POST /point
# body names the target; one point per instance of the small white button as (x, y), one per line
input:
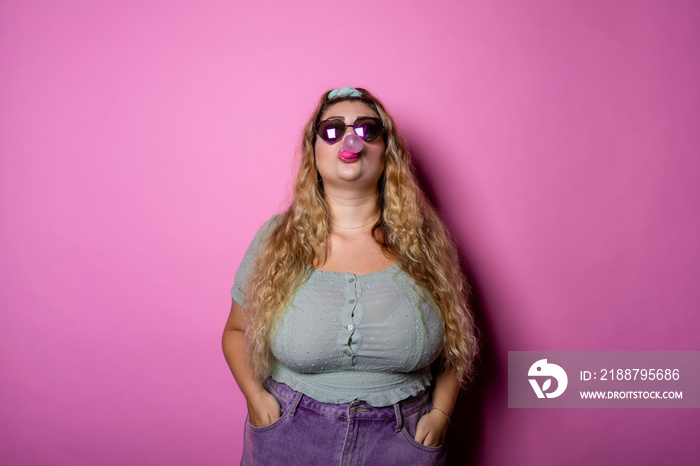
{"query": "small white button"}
(350, 327)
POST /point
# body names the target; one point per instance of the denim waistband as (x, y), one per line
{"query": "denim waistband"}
(354, 410)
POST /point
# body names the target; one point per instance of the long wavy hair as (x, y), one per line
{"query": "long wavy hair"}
(408, 228)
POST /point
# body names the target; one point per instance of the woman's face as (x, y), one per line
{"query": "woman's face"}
(361, 173)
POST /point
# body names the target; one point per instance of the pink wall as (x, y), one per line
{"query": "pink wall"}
(142, 143)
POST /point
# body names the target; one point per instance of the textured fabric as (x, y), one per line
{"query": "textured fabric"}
(313, 433)
(352, 337)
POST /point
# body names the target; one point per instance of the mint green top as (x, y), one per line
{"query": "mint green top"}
(352, 337)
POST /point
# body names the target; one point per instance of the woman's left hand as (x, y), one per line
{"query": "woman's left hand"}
(431, 428)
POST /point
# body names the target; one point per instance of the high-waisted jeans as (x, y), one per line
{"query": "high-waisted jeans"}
(309, 433)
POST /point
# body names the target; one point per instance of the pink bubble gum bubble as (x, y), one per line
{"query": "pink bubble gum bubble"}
(353, 143)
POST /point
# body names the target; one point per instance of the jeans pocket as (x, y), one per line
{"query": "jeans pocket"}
(410, 426)
(409, 438)
(285, 405)
(267, 427)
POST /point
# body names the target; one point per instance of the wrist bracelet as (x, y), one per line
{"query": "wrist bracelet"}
(449, 421)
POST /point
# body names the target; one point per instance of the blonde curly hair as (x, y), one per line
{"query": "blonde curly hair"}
(409, 229)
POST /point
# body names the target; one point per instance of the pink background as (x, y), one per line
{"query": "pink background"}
(143, 143)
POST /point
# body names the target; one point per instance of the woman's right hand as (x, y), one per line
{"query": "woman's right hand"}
(263, 409)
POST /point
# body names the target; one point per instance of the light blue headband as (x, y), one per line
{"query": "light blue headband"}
(346, 91)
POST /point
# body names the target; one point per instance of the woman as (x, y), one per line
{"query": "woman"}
(350, 306)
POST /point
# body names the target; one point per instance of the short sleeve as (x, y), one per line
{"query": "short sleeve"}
(250, 255)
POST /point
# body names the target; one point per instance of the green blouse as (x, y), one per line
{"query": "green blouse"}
(352, 337)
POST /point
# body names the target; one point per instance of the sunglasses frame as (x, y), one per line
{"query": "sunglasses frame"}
(345, 127)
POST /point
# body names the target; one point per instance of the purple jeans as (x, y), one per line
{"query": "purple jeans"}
(313, 433)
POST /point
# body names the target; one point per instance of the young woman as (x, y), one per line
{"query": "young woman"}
(350, 306)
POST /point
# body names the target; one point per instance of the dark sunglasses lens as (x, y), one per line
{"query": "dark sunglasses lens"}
(368, 128)
(331, 130)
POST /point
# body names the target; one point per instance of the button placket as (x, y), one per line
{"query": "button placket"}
(348, 337)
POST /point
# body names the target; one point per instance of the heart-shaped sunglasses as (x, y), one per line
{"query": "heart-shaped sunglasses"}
(333, 130)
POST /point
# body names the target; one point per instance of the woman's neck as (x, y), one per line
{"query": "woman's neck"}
(353, 211)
